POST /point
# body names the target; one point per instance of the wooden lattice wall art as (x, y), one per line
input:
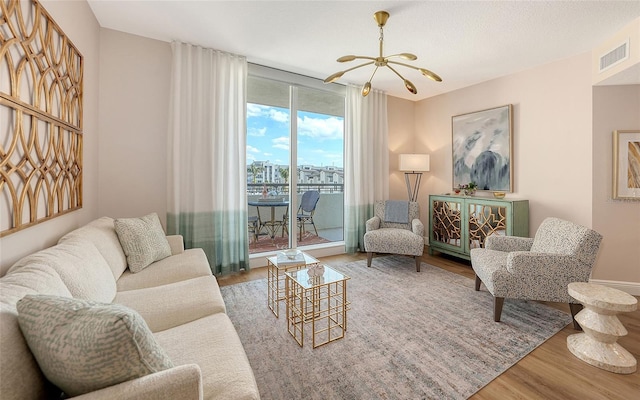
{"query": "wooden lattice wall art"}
(40, 118)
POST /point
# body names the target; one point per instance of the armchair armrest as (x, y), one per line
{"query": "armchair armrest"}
(417, 227)
(508, 243)
(176, 242)
(181, 382)
(558, 266)
(372, 224)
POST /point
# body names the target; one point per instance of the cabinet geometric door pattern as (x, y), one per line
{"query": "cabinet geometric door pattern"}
(41, 77)
(458, 224)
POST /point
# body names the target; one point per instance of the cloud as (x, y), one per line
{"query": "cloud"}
(259, 132)
(321, 128)
(281, 142)
(255, 110)
(278, 116)
(274, 113)
(251, 149)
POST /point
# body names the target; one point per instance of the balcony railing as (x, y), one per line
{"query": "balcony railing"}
(283, 188)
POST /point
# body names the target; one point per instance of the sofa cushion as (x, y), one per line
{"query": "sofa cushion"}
(143, 240)
(213, 344)
(21, 378)
(192, 263)
(83, 346)
(102, 234)
(167, 306)
(80, 266)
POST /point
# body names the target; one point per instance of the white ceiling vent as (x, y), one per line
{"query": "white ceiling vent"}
(615, 56)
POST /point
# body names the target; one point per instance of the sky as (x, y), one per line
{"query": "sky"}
(320, 137)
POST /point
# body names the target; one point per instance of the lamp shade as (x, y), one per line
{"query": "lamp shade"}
(414, 162)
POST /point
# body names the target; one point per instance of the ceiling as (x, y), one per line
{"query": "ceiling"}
(465, 42)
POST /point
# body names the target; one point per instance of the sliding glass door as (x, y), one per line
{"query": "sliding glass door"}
(288, 157)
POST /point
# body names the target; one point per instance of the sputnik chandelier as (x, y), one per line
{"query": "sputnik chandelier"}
(381, 18)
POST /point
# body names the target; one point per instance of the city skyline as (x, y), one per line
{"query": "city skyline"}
(320, 137)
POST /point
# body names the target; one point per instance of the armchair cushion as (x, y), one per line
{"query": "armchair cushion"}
(394, 241)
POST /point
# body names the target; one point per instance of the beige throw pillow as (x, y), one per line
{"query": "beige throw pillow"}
(143, 240)
(82, 346)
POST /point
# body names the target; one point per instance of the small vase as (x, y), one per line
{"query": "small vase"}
(469, 192)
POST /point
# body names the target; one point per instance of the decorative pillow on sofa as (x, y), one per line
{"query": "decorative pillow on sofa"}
(82, 346)
(143, 240)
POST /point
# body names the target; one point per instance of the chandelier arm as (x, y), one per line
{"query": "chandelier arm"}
(406, 56)
(404, 65)
(357, 66)
(407, 83)
(397, 73)
(363, 58)
(426, 72)
(374, 72)
(338, 75)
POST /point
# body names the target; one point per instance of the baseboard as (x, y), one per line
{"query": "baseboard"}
(632, 288)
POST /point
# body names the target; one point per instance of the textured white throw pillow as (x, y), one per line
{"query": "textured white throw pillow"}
(82, 346)
(143, 240)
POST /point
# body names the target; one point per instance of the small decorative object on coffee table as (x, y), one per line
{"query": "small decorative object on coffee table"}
(277, 265)
(602, 328)
(317, 296)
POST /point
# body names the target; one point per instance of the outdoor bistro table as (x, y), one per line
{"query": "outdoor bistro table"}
(272, 225)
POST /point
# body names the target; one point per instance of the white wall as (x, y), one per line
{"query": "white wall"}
(401, 140)
(76, 19)
(552, 136)
(562, 152)
(614, 108)
(134, 106)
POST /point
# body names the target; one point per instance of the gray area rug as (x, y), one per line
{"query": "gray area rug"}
(426, 335)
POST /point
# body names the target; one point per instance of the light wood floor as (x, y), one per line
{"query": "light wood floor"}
(550, 371)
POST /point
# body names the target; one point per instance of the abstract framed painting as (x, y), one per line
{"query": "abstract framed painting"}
(483, 148)
(626, 165)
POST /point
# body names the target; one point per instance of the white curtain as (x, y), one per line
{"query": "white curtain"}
(366, 161)
(207, 197)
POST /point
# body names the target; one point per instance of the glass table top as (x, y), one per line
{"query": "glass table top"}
(315, 276)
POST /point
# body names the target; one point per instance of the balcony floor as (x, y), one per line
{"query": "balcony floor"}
(266, 244)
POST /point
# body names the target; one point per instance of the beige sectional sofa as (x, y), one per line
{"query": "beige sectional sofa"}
(178, 298)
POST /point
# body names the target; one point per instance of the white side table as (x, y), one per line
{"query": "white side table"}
(602, 328)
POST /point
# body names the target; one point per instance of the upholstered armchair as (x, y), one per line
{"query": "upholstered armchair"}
(384, 236)
(538, 268)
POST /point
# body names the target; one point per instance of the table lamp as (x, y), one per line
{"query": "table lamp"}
(414, 165)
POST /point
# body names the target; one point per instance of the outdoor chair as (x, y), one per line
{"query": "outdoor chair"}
(254, 227)
(306, 210)
(538, 268)
(386, 235)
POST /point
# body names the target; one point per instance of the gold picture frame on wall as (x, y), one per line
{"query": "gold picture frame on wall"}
(41, 108)
(626, 164)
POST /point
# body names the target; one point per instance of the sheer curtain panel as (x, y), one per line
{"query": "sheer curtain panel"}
(366, 169)
(207, 200)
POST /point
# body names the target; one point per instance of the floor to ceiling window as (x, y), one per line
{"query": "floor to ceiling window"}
(288, 157)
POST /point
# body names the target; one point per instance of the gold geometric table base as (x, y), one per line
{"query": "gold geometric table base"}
(316, 297)
(276, 279)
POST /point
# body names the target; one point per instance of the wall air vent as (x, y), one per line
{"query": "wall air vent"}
(614, 57)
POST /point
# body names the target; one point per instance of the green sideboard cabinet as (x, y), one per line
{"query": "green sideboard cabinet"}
(458, 224)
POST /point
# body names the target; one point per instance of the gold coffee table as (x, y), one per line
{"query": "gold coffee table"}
(317, 296)
(276, 267)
